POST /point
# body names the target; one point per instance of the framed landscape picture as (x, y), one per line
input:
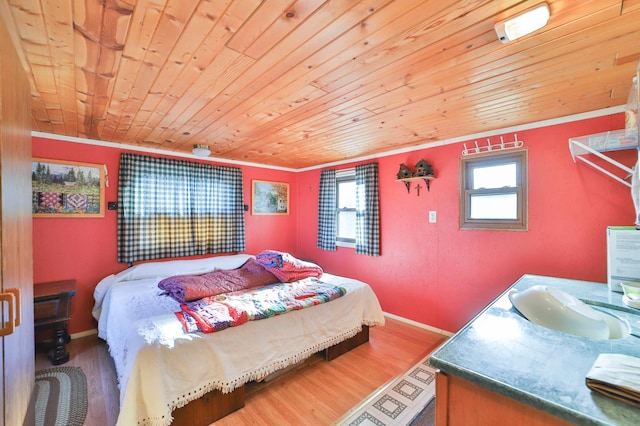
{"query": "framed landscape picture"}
(66, 189)
(269, 197)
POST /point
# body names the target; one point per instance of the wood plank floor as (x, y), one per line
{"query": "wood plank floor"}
(317, 393)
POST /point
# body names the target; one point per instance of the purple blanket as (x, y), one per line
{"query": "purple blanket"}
(187, 288)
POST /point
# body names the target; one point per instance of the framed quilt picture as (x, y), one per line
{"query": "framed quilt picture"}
(66, 189)
(269, 197)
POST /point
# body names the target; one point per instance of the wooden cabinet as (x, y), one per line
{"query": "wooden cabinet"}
(51, 311)
(16, 266)
(460, 402)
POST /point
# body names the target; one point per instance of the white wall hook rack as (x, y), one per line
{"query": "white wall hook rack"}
(489, 147)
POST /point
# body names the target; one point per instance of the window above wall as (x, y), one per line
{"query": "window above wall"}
(493, 191)
(349, 209)
(175, 208)
(346, 208)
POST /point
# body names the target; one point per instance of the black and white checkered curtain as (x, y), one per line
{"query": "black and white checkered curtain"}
(174, 208)
(367, 210)
(327, 211)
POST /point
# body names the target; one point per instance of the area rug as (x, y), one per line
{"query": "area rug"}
(407, 400)
(61, 397)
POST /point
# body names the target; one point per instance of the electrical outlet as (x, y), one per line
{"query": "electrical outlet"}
(433, 216)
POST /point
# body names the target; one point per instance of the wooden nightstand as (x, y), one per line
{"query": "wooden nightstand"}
(51, 311)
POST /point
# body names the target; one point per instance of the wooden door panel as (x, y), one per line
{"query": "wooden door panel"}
(16, 270)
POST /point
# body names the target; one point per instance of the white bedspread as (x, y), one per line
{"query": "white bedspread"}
(160, 368)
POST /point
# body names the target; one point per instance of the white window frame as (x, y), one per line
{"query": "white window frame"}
(342, 176)
(467, 165)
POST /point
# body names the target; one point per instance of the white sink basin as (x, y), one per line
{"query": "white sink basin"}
(552, 308)
(618, 328)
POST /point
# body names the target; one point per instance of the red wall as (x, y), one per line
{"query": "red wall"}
(435, 274)
(85, 249)
(439, 275)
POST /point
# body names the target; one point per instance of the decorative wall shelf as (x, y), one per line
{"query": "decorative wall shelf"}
(423, 171)
(407, 182)
(583, 146)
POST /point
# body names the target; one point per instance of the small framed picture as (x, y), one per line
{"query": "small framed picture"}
(66, 189)
(269, 198)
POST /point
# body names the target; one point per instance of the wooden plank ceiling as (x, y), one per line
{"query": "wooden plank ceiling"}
(300, 83)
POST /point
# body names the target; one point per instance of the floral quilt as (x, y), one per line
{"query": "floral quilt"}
(222, 311)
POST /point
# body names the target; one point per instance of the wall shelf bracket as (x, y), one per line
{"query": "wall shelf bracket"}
(584, 146)
(426, 179)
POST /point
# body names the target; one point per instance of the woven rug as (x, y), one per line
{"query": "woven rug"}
(61, 397)
(407, 400)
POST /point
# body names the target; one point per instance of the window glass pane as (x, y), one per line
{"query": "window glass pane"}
(346, 206)
(347, 195)
(494, 176)
(347, 224)
(499, 206)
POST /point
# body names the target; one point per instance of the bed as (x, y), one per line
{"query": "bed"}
(165, 373)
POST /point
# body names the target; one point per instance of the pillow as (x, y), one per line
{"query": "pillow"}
(286, 267)
(182, 267)
(98, 295)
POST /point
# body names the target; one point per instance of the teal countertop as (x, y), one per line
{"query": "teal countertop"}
(503, 352)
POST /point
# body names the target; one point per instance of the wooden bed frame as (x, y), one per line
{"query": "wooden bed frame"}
(215, 404)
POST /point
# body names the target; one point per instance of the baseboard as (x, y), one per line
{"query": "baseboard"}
(419, 324)
(84, 333)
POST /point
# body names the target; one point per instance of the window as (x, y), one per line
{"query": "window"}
(174, 208)
(346, 207)
(493, 191)
(349, 209)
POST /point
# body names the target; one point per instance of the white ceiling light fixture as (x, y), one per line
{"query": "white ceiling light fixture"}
(201, 150)
(523, 23)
